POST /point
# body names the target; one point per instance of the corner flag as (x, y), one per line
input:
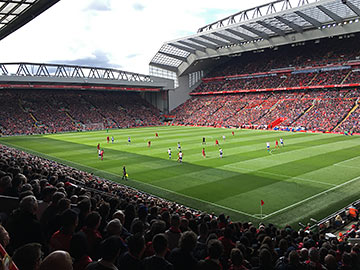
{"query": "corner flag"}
(262, 202)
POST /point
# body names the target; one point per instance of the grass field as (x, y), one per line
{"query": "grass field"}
(310, 177)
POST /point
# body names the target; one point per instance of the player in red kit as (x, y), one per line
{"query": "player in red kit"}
(156, 135)
(203, 152)
(102, 154)
(216, 142)
(276, 144)
(233, 133)
(98, 147)
(149, 143)
(108, 139)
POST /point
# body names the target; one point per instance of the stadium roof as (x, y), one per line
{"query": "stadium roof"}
(16, 13)
(277, 23)
(31, 73)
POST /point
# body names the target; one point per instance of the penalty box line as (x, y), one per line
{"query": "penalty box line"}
(312, 197)
(161, 188)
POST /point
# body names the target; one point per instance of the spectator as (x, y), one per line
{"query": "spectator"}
(182, 257)
(215, 251)
(28, 257)
(110, 250)
(57, 260)
(61, 239)
(25, 214)
(158, 261)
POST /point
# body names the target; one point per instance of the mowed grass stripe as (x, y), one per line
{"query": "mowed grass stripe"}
(152, 165)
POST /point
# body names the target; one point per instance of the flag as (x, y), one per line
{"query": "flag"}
(262, 202)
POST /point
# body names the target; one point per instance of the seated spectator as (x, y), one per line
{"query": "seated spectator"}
(25, 214)
(28, 257)
(109, 253)
(215, 251)
(79, 251)
(57, 260)
(158, 261)
(132, 258)
(60, 240)
(92, 223)
(236, 260)
(173, 233)
(182, 257)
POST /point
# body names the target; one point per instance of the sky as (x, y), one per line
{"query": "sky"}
(122, 34)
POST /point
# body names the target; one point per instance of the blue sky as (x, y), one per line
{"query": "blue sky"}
(123, 34)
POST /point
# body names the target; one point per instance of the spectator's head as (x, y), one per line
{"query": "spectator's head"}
(57, 260)
(114, 227)
(314, 254)
(175, 221)
(84, 207)
(63, 205)
(69, 219)
(18, 181)
(160, 244)
(236, 257)
(136, 245)
(110, 248)
(215, 249)
(294, 258)
(93, 220)
(78, 246)
(265, 258)
(29, 205)
(56, 197)
(304, 254)
(4, 236)
(28, 257)
(330, 262)
(137, 226)
(119, 215)
(188, 241)
(47, 193)
(203, 230)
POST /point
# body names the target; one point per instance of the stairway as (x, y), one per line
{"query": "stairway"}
(312, 79)
(347, 75)
(305, 112)
(348, 114)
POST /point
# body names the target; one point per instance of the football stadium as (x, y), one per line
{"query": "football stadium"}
(239, 150)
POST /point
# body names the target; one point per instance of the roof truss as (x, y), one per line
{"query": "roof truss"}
(256, 32)
(309, 19)
(272, 28)
(239, 34)
(331, 14)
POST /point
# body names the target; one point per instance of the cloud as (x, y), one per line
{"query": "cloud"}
(97, 59)
(118, 37)
(132, 55)
(97, 5)
(138, 7)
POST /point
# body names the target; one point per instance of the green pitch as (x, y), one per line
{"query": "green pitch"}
(310, 177)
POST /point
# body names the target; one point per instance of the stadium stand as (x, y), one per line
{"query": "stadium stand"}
(68, 211)
(32, 112)
(297, 89)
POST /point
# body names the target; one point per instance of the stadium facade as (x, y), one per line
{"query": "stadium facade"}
(270, 26)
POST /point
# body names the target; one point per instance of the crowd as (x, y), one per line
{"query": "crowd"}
(32, 111)
(310, 54)
(317, 110)
(70, 219)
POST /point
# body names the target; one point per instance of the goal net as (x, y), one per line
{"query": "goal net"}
(93, 126)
